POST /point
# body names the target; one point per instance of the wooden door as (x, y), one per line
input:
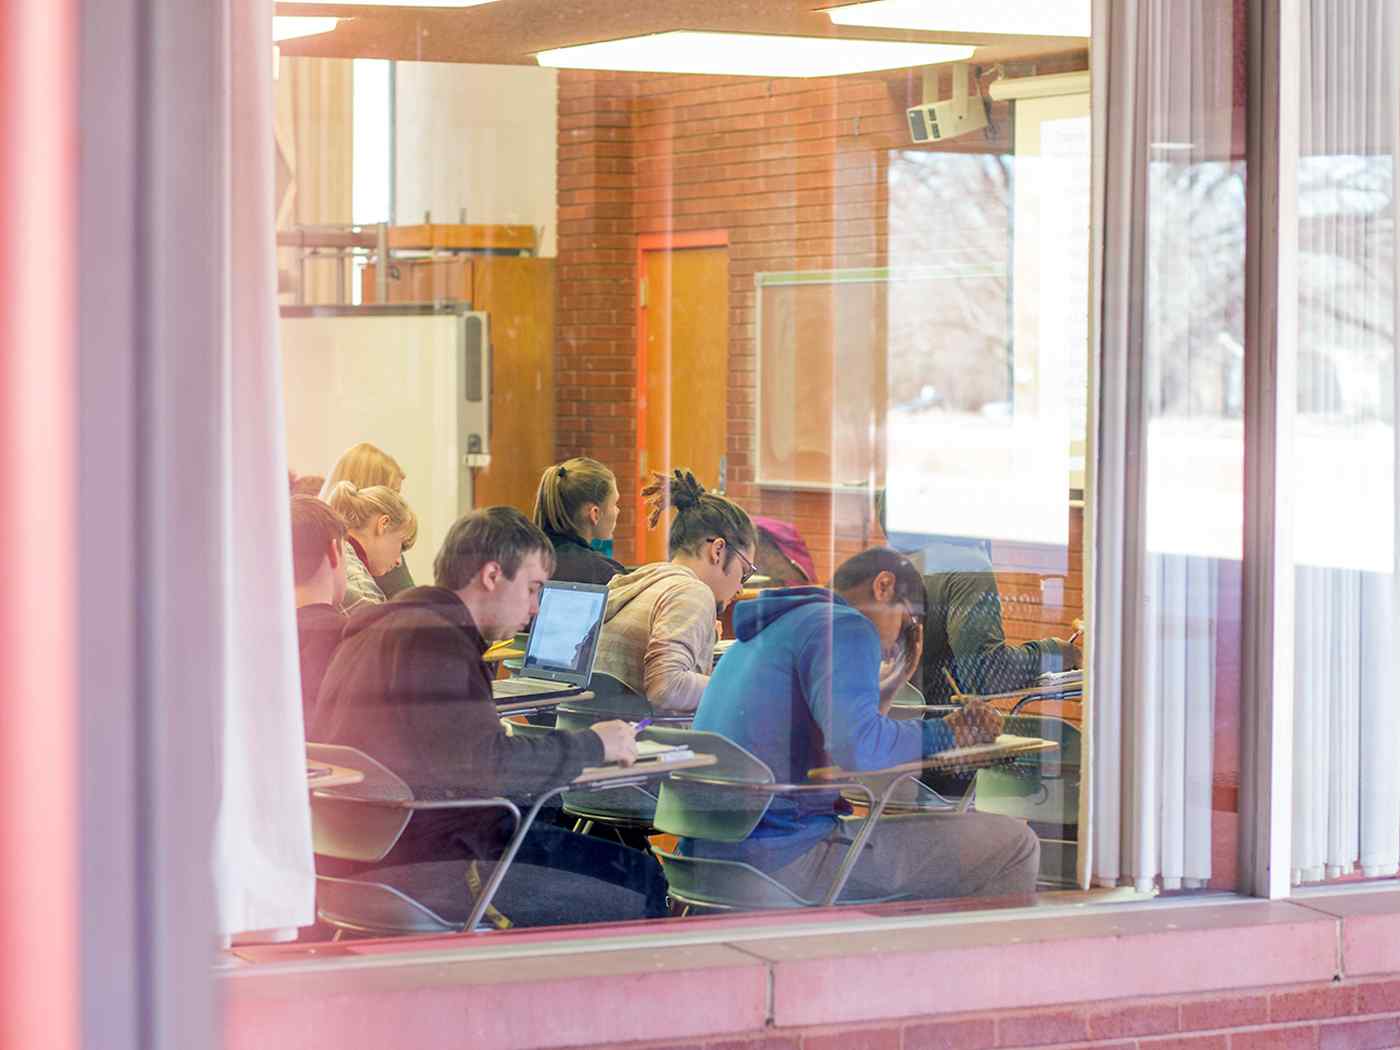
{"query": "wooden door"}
(684, 370)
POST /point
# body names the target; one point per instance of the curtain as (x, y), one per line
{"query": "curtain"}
(314, 128)
(1346, 779)
(263, 869)
(1166, 492)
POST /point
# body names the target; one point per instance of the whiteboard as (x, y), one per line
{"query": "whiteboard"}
(397, 378)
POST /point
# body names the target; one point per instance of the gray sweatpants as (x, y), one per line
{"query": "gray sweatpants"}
(925, 856)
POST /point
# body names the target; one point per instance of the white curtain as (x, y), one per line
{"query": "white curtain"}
(1346, 779)
(1168, 308)
(263, 868)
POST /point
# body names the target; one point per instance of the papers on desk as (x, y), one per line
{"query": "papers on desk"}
(651, 751)
(978, 756)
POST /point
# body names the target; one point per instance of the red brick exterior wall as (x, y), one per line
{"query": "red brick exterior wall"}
(1343, 1015)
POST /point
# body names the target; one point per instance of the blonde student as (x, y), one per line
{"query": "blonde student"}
(367, 466)
(576, 506)
(381, 527)
(659, 628)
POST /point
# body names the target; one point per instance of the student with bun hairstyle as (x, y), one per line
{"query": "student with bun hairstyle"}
(368, 465)
(576, 504)
(381, 527)
(659, 628)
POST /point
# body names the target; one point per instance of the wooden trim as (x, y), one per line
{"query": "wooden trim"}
(1270, 390)
(655, 242)
(454, 237)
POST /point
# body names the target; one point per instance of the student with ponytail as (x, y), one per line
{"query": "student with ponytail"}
(367, 466)
(659, 628)
(381, 527)
(576, 505)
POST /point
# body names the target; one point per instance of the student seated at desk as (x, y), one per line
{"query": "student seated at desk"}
(367, 466)
(576, 505)
(381, 527)
(964, 640)
(801, 690)
(408, 686)
(659, 628)
(318, 571)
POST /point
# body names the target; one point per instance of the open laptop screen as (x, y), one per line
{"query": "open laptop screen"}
(564, 639)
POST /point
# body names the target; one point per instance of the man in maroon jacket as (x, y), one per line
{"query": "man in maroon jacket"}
(408, 686)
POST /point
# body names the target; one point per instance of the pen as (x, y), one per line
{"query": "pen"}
(638, 727)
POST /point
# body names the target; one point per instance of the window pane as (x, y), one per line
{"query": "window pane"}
(1346, 814)
(866, 342)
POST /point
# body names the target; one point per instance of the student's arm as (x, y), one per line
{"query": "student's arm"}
(681, 644)
(839, 672)
(478, 754)
(982, 659)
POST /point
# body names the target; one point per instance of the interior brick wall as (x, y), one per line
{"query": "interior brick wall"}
(796, 173)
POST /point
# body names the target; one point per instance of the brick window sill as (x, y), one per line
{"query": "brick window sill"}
(740, 978)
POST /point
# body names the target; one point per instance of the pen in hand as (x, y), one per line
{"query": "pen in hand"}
(639, 726)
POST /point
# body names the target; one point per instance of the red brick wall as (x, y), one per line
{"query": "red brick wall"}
(796, 173)
(1345, 1015)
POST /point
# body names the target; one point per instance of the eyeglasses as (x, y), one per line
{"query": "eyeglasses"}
(915, 617)
(750, 569)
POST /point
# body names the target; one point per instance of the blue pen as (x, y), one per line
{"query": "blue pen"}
(641, 725)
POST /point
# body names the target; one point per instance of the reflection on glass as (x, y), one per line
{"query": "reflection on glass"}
(1346, 798)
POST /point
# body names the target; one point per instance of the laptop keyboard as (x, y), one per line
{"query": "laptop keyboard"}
(521, 686)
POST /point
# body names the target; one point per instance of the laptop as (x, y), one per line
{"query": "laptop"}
(563, 643)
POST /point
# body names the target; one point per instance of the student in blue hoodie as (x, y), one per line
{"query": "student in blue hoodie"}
(801, 689)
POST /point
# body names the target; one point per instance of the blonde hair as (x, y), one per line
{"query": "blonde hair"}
(566, 488)
(366, 466)
(359, 507)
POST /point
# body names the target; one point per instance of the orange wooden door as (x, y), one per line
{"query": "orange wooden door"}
(685, 361)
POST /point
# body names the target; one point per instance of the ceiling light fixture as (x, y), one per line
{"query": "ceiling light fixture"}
(290, 27)
(1010, 17)
(751, 55)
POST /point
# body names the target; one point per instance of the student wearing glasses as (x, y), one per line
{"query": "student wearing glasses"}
(801, 689)
(659, 628)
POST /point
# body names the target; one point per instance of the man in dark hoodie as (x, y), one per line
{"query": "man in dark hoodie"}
(801, 689)
(408, 687)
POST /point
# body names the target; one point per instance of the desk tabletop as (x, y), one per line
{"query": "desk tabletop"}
(322, 775)
(502, 651)
(977, 756)
(603, 774)
(508, 706)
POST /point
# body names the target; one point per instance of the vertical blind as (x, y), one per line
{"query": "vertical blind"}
(1346, 777)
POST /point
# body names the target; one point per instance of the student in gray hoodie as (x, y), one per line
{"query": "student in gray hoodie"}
(659, 628)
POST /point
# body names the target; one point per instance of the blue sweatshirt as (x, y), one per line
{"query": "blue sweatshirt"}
(800, 690)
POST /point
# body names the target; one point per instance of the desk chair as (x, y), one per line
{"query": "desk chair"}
(621, 809)
(724, 803)
(362, 822)
(1042, 789)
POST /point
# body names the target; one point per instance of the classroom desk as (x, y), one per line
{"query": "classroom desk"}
(593, 778)
(501, 651)
(1007, 749)
(320, 775)
(513, 707)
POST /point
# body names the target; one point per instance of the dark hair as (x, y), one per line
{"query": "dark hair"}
(499, 534)
(865, 566)
(700, 515)
(568, 487)
(314, 528)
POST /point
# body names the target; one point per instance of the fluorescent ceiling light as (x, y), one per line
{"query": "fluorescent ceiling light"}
(1013, 17)
(397, 3)
(289, 27)
(751, 55)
